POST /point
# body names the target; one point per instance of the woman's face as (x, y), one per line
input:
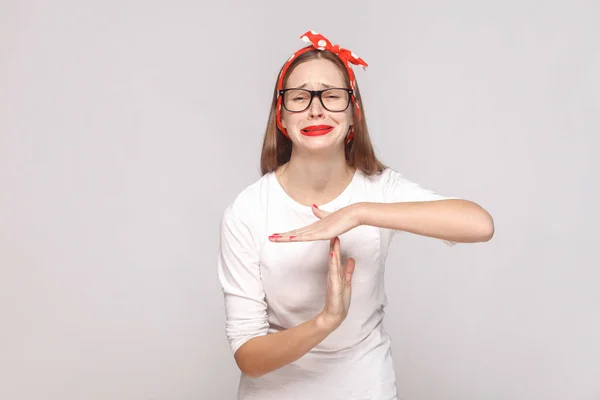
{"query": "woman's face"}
(316, 127)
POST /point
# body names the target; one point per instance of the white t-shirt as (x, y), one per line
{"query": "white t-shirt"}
(269, 287)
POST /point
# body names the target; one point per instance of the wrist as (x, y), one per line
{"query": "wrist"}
(324, 324)
(361, 212)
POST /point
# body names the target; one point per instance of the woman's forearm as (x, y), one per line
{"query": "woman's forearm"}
(264, 354)
(459, 221)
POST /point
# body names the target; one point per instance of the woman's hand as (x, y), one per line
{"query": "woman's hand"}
(339, 289)
(329, 225)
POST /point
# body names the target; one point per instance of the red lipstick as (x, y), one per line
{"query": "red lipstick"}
(316, 130)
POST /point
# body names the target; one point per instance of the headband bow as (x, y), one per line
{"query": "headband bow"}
(320, 42)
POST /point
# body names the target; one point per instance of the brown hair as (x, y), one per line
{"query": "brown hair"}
(277, 148)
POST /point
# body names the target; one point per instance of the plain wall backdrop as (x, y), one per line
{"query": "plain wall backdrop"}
(127, 127)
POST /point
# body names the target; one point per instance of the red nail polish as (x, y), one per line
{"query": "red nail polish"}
(315, 206)
(292, 237)
(331, 254)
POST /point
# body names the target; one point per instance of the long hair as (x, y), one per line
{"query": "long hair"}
(277, 148)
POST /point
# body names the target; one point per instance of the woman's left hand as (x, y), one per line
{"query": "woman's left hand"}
(329, 225)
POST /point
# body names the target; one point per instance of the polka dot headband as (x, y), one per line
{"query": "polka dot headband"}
(320, 42)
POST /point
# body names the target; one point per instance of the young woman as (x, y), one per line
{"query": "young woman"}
(303, 249)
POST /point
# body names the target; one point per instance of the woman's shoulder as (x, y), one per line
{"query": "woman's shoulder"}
(380, 185)
(381, 177)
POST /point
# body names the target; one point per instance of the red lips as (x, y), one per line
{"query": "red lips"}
(316, 130)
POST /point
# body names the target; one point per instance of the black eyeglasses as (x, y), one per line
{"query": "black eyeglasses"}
(334, 99)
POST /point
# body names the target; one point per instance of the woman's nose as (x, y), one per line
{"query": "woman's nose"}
(316, 108)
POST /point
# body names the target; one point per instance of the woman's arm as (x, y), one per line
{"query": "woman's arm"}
(403, 205)
(264, 354)
(455, 220)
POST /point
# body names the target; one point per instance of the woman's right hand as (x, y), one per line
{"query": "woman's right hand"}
(339, 288)
(266, 353)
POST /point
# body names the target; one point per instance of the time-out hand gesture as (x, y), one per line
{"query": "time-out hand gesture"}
(339, 288)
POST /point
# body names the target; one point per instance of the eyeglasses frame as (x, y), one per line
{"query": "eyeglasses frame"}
(317, 93)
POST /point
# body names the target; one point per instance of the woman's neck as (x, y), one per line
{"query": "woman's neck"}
(315, 181)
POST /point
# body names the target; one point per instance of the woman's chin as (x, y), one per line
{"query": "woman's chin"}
(319, 143)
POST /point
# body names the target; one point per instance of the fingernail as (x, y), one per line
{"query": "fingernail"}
(331, 254)
(315, 206)
(292, 237)
(274, 236)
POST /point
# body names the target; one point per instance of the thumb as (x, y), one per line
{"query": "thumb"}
(349, 270)
(318, 212)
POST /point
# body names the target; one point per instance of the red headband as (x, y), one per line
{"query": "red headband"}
(320, 42)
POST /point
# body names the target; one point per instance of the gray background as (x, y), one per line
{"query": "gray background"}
(128, 126)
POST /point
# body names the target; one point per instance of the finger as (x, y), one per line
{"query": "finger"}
(349, 270)
(318, 212)
(284, 237)
(333, 265)
(338, 258)
(333, 246)
(307, 236)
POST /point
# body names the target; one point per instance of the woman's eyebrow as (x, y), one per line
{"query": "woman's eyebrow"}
(325, 85)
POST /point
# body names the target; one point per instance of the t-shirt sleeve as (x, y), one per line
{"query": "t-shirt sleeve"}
(239, 275)
(397, 189)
